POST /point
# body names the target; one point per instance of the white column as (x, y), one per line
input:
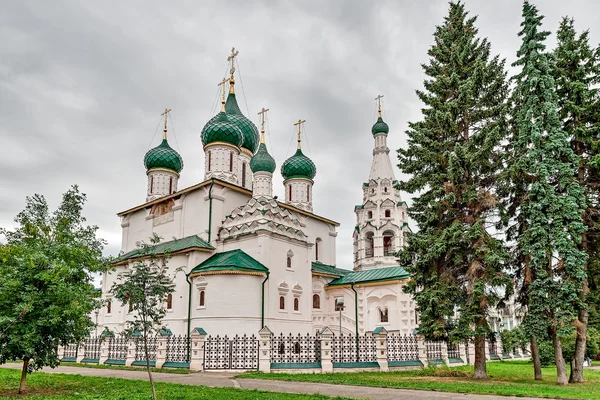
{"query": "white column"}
(198, 339)
(422, 350)
(380, 335)
(326, 345)
(264, 352)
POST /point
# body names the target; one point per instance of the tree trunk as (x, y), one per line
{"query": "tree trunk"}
(480, 365)
(535, 356)
(580, 341)
(561, 367)
(23, 376)
(145, 338)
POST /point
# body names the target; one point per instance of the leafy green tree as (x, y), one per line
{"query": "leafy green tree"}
(46, 282)
(550, 202)
(576, 72)
(145, 287)
(452, 159)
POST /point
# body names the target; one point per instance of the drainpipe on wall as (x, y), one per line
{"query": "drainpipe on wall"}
(355, 318)
(262, 312)
(212, 182)
(189, 317)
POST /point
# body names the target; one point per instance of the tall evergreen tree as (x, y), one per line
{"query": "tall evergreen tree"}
(547, 200)
(576, 71)
(453, 160)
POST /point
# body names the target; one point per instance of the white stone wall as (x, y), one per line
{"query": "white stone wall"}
(262, 184)
(301, 193)
(221, 166)
(159, 183)
(244, 159)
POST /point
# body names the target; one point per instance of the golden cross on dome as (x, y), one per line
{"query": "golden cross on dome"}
(378, 99)
(222, 84)
(262, 114)
(231, 58)
(165, 114)
(299, 124)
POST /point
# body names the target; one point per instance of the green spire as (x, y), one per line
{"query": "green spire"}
(262, 160)
(163, 156)
(380, 127)
(249, 130)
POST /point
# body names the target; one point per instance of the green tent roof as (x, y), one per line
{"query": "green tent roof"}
(372, 275)
(328, 269)
(174, 245)
(234, 260)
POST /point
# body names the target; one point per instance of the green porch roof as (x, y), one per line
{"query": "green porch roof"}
(173, 246)
(373, 275)
(328, 269)
(233, 260)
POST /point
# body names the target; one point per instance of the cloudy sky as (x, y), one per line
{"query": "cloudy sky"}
(82, 86)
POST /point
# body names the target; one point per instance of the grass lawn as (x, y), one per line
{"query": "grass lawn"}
(513, 378)
(61, 386)
(103, 366)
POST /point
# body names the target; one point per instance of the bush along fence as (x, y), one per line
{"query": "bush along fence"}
(320, 352)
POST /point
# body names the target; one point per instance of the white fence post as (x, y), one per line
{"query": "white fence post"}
(445, 358)
(131, 347)
(462, 352)
(264, 350)
(326, 346)
(104, 349)
(80, 351)
(381, 348)
(198, 339)
(471, 352)
(161, 347)
(422, 350)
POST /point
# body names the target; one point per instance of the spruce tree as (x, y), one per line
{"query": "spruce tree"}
(547, 200)
(576, 71)
(452, 158)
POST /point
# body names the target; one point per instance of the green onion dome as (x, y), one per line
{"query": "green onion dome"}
(249, 130)
(221, 129)
(262, 160)
(163, 156)
(298, 166)
(380, 127)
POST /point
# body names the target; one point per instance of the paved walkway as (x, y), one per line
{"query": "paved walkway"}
(226, 379)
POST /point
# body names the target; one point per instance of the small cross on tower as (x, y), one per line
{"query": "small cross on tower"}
(231, 58)
(262, 114)
(299, 124)
(378, 100)
(222, 84)
(165, 114)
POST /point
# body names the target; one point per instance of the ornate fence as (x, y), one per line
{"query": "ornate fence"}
(493, 347)
(350, 348)
(70, 352)
(453, 350)
(239, 352)
(177, 349)
(117, 348)
(402, 347)
(91, 349)
(140, 354)
(296, 349)
(434, 350)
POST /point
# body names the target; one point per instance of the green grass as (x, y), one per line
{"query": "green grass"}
(60, 386)
(508, 378)
(104, 366)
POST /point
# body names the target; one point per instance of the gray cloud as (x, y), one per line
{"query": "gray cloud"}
(82, 85)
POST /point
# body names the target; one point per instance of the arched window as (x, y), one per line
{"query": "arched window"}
(369, 245)
(297, 348)
(388, 243)
(170, 185)
(388, 213)
(370, 214)
(385, 189)
(317, 248)
(383, 315)
(307, 193)
(243, 174)
(209, 159)
(290, 192)
(169, 301)
(289, 262)
(151, 184)
(108, 307)
(201, 303)
(282, 302)
(316, 301)
(231, 161)
(296, 304)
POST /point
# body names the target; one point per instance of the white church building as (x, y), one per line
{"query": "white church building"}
(242, 260)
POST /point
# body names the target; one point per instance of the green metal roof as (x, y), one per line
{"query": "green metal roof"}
(328, 269)
(221, 128)
(262, 160)
(233, 260)
(171, 247)
(372, 275)
(298, 166)
(163, 156)
(380, 127)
